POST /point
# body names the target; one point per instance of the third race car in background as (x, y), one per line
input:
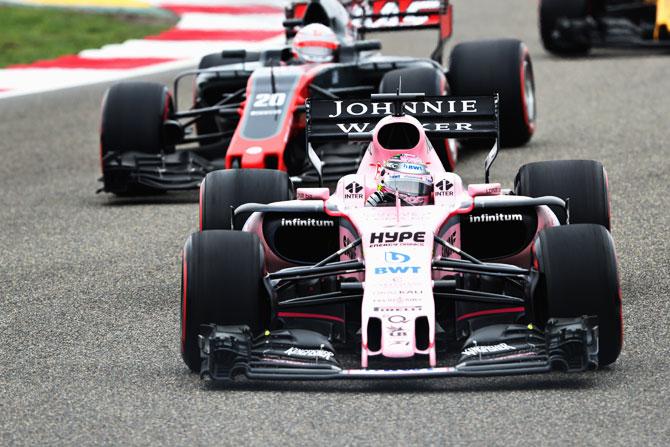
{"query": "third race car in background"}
(573, 27)
(249, 107)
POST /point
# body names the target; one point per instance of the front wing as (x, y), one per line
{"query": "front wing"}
(569, 345)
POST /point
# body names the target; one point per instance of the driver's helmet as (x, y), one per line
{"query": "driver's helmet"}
(315, 43)
(407, 176)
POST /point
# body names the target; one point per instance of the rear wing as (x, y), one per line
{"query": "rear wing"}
(441, 117)
(381, 16)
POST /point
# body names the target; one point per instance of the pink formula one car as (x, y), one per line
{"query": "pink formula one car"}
(403, 271)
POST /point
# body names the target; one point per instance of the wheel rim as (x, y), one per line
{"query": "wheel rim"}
(528, 93)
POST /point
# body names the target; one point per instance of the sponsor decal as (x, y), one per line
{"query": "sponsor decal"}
(391, 9)
(397, 331)
(319, 353)
(298, 222)
(443, 188)
(353, 191)
(351, 253)
(395, 257)
(397, 309)
(497, 217)
(394, 238)
(475, 350)
(265, 112)
(451, 239)
(253, 150)
(304, 195)
(417, 108)
(396, 269)
(493, 190)
(429, 127)
(398, 319)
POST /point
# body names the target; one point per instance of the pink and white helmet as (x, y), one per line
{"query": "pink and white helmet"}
(407, 176)
(315, 43)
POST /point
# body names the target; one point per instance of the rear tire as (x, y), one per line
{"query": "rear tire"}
(584, 182)
(221, 190)
(551, 12)
(578, 276)
(431, 82)
(498, 66)
(222, 283)
(133, 114)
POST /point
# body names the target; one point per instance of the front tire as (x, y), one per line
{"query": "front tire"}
(499, 66)
(133, 114)
(224, 190)
(583, 182)
(578, 276)
(222, 283)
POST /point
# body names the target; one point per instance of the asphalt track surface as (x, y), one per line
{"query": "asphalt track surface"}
(89, 286)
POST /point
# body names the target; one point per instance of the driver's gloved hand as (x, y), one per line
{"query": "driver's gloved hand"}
(375, 198)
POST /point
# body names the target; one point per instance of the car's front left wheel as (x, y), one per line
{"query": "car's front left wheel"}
(222, 283)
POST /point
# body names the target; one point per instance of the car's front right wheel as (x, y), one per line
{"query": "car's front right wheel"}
(578, 277)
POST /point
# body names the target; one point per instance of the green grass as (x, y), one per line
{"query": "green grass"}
(29, 34)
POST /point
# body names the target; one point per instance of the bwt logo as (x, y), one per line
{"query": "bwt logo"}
(353, 191)
(395, 257)
(396, 269)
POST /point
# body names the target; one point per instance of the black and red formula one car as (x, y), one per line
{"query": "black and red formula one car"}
(404, 271)
(573, 27)
(249, 107)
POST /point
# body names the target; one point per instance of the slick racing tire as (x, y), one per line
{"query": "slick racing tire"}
(222, 283)
(578, 276)
(551, 13)
(221, 191)
(431, 82)
(582, 182)
(498, 66)
(133, 114)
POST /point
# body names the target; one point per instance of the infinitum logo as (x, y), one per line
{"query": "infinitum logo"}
(297, 222)
(497, 217)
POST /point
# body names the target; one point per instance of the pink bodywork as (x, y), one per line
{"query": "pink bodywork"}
(398, 243)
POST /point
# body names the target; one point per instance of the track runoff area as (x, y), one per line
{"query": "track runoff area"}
(203, 25)
(89, 309)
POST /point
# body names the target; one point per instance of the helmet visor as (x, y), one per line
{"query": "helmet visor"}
(315, 53)
(412, 186)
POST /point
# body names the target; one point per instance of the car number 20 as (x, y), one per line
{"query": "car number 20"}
(269, 100)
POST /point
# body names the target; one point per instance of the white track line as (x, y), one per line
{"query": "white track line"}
(202, 21)
(174, 49)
